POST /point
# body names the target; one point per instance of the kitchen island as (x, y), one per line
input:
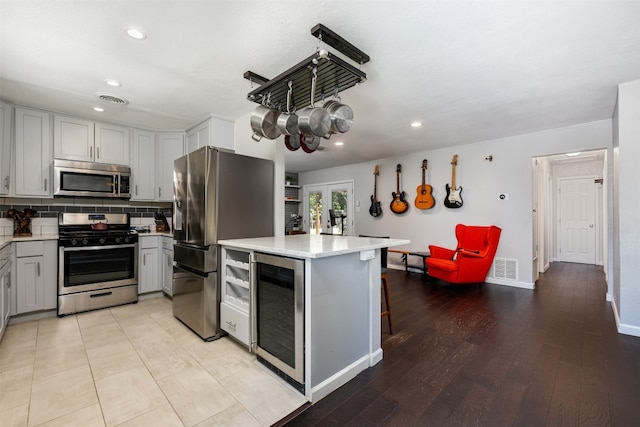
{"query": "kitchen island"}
(341, 303)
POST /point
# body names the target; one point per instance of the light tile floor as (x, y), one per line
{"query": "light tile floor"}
(133, 365)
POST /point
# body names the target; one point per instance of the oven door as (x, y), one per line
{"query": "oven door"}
(92, 268)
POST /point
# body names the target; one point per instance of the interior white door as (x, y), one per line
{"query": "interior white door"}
(328, 208)
(577, 220)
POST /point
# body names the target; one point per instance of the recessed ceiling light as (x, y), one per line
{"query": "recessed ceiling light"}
(113, 83)
(98, 109)
(574, 154)
(134, 33)
(416, 124)
(338, 143)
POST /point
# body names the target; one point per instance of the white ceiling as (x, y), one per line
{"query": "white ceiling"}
(470, 71)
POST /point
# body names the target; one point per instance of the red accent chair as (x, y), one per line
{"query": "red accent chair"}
(470, 261)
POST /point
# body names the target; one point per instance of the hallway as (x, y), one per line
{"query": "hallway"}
(494, 356)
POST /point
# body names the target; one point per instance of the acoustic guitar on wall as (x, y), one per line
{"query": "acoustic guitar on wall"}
(424, 199)
(399, 203)
(375, 210)
(453, 199)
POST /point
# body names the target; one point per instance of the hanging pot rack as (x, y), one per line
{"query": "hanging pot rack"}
(334, 74)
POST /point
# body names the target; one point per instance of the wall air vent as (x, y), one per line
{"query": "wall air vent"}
(504, 268)
(112, 99)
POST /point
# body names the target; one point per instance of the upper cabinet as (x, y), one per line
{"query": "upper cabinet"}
(143, 168)
(5, 147)
(214, 132)
(170, 147)
(83, 140)
(33, 153)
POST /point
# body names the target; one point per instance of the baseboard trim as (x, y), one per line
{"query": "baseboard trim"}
(513, 284)
(339, 379)
(623, 328)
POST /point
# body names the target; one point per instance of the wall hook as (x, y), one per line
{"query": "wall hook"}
(489, 158)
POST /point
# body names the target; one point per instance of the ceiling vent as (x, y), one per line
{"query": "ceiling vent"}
(112, 99)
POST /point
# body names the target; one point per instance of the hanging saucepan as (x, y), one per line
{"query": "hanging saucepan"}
(264, 122)
(293, 142)
(314, 120)
(341, 116)
(99, 226)
(310, 143)
(288, 121)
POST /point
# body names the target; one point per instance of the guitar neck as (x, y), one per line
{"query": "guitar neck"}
(398, 182)
(375, 188)
(453, 176)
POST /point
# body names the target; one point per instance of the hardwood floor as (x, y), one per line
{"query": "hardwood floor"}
(494, 356)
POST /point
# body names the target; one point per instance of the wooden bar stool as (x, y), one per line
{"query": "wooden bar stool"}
(385, 281)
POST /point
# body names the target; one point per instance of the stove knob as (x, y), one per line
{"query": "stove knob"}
(126, 240)
(74, 242)
(85, 241)
(102, 240)
(117, 240)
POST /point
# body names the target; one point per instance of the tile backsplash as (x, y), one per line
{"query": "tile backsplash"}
(46, 220)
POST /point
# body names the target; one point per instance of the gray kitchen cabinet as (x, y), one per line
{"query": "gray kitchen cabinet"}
(6, 111)
(36, 275)
(5, 287)
(87, 141)
(33, 153)
(167, 265)
(143, 166)
(170, 146)
(214, 132)
(148, 266)
(235, 302)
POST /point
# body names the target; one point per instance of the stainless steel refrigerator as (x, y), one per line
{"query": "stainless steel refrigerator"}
(217, 195)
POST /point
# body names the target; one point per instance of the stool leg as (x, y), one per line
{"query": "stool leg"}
(387, 313)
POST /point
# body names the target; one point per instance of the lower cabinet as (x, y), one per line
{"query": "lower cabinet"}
(235, 298)
(5, 287)
(167, 265)
(36, 276)
(148, 266)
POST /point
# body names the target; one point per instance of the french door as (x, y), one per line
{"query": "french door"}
(328, 208)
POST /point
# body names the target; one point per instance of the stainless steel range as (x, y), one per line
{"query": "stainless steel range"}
(98, 261)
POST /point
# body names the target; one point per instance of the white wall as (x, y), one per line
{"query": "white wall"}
(481, 181)
(627, 208)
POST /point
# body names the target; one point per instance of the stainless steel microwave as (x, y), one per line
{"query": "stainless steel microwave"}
(85, 179)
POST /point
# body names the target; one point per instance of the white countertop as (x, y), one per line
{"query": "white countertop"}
(312, 246)
(5, 240)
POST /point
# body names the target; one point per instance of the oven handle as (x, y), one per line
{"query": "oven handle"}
(93, 248)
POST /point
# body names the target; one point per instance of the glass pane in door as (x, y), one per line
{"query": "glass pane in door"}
(338, 212)
(315, 212)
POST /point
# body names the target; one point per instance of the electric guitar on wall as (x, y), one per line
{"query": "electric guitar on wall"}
(399, 203)
(424, 199)
(453, 199)
(375, 210)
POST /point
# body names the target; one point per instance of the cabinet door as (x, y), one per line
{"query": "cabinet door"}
(167, 271)
(33, 153)
(73, 139)
(148, 271)
(5, 147)
(143, 168)
(222, 133)
(112, 144)
(5, 283)
(170, 147)
(30, 284)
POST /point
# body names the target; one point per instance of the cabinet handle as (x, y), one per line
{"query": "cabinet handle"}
(9, 280)
(98, 152)
(91, 152)
(38, 269)
(46, 187)
(136, 189)
(231, 325)
(6, 182)
(159, 191)
(144, 259)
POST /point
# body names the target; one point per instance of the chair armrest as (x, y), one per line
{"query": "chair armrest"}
(470, 253)
(440, 252)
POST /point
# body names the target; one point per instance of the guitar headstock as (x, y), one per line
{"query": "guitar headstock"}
(424, 164)
(454, 161)
(376, 171)
(399, 168)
